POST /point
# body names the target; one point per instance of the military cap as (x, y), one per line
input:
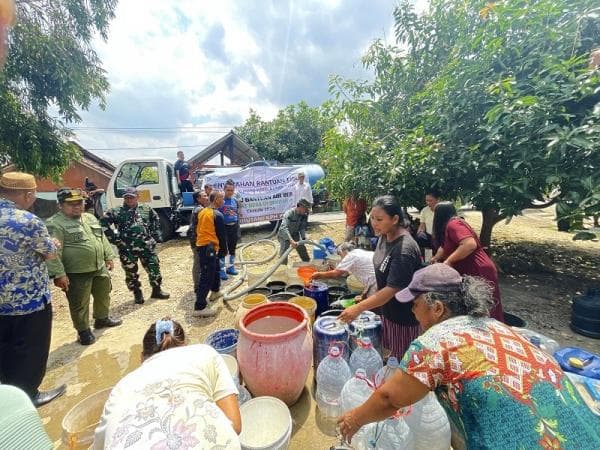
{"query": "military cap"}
(66, 194)
(304, 203)
(130, 191)
(18, 180)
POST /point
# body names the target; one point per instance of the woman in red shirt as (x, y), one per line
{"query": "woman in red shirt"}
(459, 247)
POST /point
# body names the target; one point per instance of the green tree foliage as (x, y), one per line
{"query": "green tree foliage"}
(294, 135)
(50, 64)
(492, 102)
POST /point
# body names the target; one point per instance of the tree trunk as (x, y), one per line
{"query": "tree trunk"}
(490, 218)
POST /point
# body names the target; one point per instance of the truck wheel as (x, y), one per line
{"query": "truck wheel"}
(166, 227)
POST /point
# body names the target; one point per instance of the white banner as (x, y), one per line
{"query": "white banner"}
(266, 192)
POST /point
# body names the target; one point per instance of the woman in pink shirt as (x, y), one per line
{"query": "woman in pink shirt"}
(459, 247)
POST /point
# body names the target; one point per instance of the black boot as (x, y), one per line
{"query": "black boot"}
(41, 398)
(157, 292)
(107, 322)
(138, 296)
(86, 337)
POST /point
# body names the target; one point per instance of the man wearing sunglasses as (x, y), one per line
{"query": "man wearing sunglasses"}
(81, 270)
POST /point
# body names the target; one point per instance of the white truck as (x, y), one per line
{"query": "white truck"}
(158, 187)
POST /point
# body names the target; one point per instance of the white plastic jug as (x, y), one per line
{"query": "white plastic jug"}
(356, 391)
(367, 358)
(392, 433)
(387, 371)
(429, 424)
(332, 374)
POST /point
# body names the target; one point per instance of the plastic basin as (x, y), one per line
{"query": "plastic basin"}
(79, 424)
(266, 424)
(224, 341)
(307, 304)
(232, 366)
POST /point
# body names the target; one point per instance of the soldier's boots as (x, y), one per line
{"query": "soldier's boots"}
(138, 296)
(107, 322)
(157, 292)
(86, 337)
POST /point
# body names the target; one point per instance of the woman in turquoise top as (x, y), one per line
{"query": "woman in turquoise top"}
(498, 389)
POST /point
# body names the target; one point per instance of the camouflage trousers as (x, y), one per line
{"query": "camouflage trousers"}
(148, 258)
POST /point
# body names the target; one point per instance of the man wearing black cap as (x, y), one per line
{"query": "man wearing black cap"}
(137, 233)
(84, 259)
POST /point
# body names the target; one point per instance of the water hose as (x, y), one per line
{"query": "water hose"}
(228, 296)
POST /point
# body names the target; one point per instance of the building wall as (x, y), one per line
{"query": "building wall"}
(74, 177)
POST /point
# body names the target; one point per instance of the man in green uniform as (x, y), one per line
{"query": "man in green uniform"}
(137, 229)
(293, 229)
(84, 255)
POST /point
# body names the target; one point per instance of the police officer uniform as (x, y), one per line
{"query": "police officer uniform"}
(82, 257)
(137, 233)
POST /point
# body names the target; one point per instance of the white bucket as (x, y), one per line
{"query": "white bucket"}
(232, 365)
(266, 424)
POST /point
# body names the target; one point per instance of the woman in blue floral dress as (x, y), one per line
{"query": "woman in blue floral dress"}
(499, 390)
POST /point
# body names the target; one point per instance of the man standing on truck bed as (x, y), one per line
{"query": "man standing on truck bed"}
(138, 231)
(182, 171)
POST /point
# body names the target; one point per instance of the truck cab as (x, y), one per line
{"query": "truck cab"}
(157, 187)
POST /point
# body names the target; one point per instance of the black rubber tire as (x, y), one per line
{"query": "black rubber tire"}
(166, 227)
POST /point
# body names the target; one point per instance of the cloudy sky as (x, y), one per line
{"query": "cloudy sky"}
(204, 64)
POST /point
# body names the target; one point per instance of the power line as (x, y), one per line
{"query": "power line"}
(149, 131)
(146, 148)
(195, 128)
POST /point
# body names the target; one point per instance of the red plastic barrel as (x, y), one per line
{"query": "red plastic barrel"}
(274, 350)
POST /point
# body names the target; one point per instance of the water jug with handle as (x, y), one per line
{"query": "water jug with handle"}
(387, 371)
(388, 434)
(367, 324)
(356, 391)
(366, 357)
(332, 374)
(429, 424)
(327, 331)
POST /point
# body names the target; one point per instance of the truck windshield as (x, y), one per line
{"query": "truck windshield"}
(136, 174)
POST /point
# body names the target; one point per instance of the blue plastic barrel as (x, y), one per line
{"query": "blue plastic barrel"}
(224, 341)
(319, 292)
(328, 244)
(327, 331)
(188, 198)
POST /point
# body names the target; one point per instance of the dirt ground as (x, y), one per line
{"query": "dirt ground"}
(541, 270)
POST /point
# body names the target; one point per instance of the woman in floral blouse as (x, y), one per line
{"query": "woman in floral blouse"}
(498, 389)
(181, 397)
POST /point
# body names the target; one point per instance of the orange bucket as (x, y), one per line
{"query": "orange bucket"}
(305, 272)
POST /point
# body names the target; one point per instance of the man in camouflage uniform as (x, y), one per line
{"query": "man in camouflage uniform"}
(84, 259)
(137, 229)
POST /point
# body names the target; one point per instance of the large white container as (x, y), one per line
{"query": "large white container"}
(429, 424)
(266, 424)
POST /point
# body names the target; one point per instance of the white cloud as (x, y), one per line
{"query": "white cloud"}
(207, 63)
